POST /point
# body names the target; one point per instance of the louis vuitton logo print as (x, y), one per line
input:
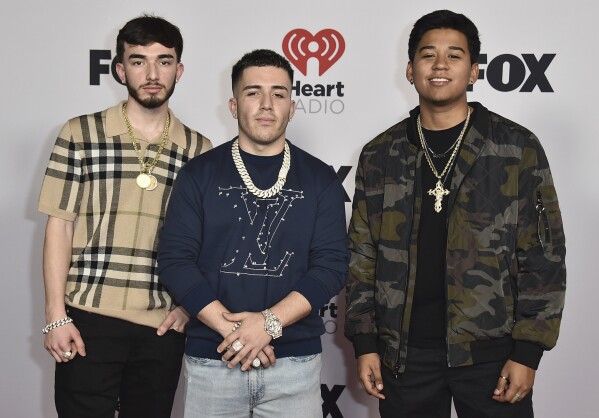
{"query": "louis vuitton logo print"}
(263, 217)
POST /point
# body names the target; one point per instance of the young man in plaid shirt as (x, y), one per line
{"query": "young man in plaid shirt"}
(111, 327)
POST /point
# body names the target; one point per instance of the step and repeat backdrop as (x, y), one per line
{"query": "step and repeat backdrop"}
(537, 62)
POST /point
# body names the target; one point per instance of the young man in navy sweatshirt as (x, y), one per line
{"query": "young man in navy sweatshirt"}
(254, 243)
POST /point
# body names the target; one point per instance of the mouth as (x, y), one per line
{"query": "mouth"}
(439, 81)
(265, 121)
(152, 88)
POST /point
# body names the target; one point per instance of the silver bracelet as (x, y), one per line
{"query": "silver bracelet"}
(56, 324)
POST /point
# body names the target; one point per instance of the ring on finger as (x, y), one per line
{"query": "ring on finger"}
(236, 346)
(518, 396)
(504, 378)
(236, 326)
(67, 354)
(256, 363)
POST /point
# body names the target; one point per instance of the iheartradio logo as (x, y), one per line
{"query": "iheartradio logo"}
(327, 46)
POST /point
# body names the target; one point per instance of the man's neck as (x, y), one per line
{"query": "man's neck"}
(148, 122)
(437, 118)
(264, 150)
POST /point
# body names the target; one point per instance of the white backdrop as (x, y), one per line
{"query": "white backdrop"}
(46, 80)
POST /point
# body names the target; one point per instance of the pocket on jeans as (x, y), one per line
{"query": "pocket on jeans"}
(302, 359)
(200, 361)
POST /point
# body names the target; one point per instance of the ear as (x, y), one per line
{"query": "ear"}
(120, 71)
(233, 107)
(474, 73)
(292, 110)
(180, 69)
(409, 72)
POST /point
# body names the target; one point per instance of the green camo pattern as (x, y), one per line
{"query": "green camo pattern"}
(505, 248)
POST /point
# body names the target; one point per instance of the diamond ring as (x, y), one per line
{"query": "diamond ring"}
(237, 346)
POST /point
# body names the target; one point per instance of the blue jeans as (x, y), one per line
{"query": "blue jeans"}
(291, 388)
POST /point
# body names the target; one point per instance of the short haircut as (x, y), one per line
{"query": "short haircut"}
(445, 19)
(146, 30)
(259, 58)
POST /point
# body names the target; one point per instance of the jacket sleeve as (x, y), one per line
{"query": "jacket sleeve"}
(360, 325)
(540, 252)
(180, 245)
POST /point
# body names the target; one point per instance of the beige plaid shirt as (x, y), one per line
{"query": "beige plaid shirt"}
(90, 179)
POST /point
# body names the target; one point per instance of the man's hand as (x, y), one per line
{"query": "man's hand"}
(247, 342)
(176, 320)
(63, 339)
(514, 383)
(369, 373)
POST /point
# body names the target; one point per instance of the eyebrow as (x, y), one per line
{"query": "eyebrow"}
(141, 56)
(259, 87)
(454, 48)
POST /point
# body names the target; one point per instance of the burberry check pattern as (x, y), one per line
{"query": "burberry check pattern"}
(90, 179)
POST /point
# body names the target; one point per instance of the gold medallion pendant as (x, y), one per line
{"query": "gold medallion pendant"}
(153, 183)
(146, 180)
(143, 180)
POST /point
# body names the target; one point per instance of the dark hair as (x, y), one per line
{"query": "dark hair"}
(259, 58)
(445, 19)
(146, 30)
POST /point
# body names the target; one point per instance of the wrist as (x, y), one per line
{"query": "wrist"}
(54, 314)
(272, 324)
(55, 324)
(224, 329)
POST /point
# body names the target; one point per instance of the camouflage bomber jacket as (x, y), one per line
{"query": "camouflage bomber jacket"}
(505, 256)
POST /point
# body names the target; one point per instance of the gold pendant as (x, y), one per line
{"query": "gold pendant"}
(153, 183)
(143, 180)
(438, 192)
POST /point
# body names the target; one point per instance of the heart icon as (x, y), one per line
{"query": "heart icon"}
(327, 46)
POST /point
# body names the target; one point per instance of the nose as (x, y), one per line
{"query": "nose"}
(153, 72)
(440, 62)
(266, 102)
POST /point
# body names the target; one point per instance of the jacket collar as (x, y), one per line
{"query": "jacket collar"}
(115, 125)
(473, 145)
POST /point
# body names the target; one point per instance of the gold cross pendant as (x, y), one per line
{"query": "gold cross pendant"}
(438, 192)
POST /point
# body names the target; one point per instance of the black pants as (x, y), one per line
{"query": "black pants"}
(427, 386)
(125, 363)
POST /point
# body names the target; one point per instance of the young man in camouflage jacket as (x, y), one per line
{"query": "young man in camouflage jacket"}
(457, 275)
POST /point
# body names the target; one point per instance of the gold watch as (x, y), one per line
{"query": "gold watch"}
(272, 324)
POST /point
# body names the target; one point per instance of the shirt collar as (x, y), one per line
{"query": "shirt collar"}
(115, 125)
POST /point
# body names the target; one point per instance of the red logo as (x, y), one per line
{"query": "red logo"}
(326, 46)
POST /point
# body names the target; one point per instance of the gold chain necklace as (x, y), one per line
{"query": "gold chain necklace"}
(146, 179)
(439, 191)
(245, 176)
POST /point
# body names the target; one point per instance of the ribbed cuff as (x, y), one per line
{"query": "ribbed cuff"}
(364, 344)
(527, 353)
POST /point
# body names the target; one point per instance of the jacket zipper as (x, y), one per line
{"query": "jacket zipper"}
(446, 295)
(543, 231)
(403, 343)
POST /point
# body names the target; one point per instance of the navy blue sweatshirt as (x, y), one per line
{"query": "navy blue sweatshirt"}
(220, 242)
